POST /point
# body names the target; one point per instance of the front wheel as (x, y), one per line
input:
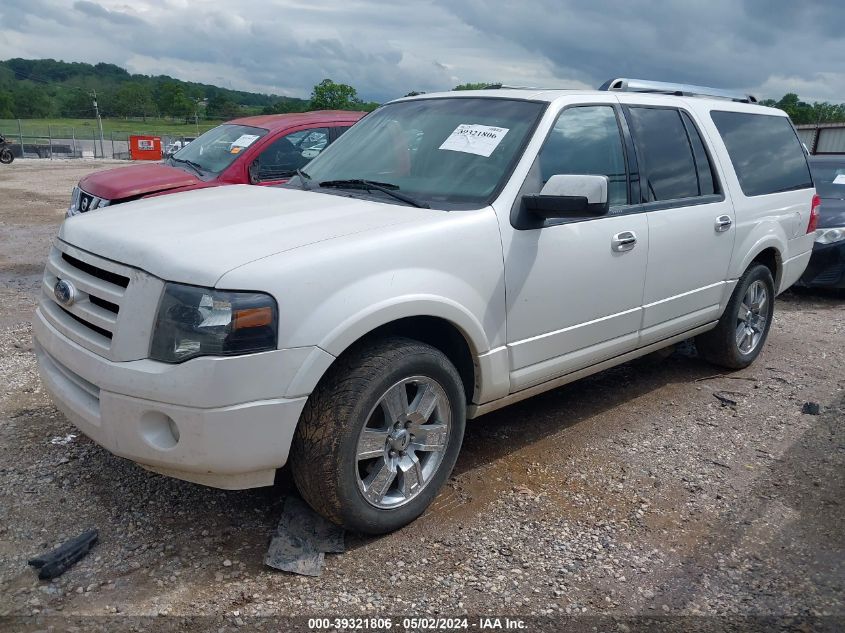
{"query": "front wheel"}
(380, 435)
(738, 338)
(6, 156)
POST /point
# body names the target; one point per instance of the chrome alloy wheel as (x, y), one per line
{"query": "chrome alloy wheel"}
(403, 442)
(752, 317)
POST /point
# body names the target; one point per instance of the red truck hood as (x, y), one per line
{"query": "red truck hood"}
(137, 180)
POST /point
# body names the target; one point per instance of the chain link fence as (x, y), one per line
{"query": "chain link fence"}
(54, 141)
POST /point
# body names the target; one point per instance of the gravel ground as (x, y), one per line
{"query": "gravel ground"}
(633, 493)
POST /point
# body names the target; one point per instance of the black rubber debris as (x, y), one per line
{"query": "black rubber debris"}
(726, 402)
(301, 540)
(54, 564)
(811, 408)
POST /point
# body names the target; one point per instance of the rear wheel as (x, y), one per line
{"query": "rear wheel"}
(6, 156)
(738, 338)
(380, 435)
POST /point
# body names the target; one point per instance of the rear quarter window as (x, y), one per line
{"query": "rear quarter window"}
(765, 151)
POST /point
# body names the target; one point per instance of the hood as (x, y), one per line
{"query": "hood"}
(831, 213)
(197, 236)
(128, 182)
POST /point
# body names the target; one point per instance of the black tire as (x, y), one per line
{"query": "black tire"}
(6, 156)
(324, 455)
(719, 346)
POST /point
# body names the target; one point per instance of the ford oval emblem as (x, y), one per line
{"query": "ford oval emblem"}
(64, 292)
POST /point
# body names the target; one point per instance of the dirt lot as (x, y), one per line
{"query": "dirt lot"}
(635, 492)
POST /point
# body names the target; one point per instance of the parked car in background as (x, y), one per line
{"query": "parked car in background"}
(260, 150)
(174, 146)
(827, 265)
(350, 321)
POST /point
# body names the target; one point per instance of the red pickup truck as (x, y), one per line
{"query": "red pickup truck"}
(259, 150)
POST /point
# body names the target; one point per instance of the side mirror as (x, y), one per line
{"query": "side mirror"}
(253, 172)
(569, 196)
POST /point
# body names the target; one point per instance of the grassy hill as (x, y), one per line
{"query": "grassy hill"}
(50, 89)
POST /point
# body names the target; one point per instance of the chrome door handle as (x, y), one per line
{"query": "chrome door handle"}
(723, 223)
(624, 241)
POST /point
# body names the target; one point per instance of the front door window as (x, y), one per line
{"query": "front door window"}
(291, 152)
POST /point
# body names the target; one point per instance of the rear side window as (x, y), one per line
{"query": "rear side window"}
(765, 151)
(664, 150)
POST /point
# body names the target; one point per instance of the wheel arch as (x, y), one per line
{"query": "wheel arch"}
(767, 251)
(771, 258)
(440, 334)
(442, 325)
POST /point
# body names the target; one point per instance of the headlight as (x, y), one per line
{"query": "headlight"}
(73, 209)
(829, 236)
(195, 321)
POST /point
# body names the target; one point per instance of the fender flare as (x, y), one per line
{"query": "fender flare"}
(358, 325)
(767, 241)
(382, 313)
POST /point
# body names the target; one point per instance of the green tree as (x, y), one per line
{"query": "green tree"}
(31, 102)
(221, 106)
(286, 105)
(824, 112)
(327, 95)
(801, 112)
(75, 103)
(134, 99)
(797, 110)
(476, 86)
(172, 101)
(6, 105)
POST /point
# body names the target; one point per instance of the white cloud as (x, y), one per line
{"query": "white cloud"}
(822, 86)
(388, 49)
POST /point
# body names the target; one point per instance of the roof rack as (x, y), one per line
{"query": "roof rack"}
(509, 87)
(681, 90)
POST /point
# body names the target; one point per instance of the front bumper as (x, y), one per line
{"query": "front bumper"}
(826, 267)
(222, 422)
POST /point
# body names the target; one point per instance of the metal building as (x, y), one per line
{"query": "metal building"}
(823, 138)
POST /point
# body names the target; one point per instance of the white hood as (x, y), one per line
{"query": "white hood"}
(197, 236)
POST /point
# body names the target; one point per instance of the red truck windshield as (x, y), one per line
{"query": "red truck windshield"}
(218, 148)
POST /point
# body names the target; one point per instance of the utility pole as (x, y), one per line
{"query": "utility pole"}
(99, 122)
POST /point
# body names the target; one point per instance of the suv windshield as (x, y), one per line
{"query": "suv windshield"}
(829, 177)
(215, 150)
(440, 150)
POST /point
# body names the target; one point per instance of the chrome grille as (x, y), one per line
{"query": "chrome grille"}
(90, 317)
(113, 308)
(82, 202)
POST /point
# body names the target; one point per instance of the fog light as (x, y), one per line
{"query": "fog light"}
(159, 430)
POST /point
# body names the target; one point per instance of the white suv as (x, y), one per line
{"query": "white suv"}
(449, 255)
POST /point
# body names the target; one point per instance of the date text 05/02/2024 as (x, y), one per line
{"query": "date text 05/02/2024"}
(418, 624)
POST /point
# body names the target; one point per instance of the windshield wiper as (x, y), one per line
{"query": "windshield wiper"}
(385, 187)
(198, 168)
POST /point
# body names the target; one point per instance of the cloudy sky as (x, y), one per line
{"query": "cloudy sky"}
(386, 49)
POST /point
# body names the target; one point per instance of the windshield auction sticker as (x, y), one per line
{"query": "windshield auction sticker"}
(475, 139)
(244, 140)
